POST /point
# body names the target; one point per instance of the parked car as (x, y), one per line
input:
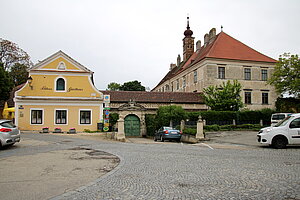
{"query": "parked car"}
(277, 117)
(167, 133)
(284, 133)
(9, 133)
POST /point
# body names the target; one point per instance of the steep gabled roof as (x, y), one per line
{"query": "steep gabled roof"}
(227, 47)
(63, 55)
(222, 47)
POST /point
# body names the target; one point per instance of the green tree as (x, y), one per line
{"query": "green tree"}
(166, 115)
(225, 97)
(132, 86)
(113, 86)
(11, 53)
(19, 73)
(286, 75)
(6, 83)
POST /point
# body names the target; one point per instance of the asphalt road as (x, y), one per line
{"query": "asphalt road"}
(209, 170)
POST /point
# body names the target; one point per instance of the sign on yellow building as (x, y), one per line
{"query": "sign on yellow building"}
(59, 94)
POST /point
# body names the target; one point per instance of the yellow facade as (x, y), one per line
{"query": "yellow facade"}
(60, 94)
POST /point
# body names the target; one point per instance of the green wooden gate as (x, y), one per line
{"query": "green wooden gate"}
(132, 126)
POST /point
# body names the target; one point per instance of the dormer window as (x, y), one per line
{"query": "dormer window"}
(61, 66)
(60, 84)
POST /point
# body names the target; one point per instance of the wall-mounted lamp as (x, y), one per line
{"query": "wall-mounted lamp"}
(30, 82)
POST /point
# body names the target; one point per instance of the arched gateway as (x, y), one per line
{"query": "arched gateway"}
(132, 125)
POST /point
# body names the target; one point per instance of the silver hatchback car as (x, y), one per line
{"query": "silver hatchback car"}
(9, 133)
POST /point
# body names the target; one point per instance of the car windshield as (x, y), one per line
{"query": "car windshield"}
(283, 122)
(7, 124)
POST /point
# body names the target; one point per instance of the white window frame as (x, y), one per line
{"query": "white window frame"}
(79, 120)
(67, 116)
(195, 76)
(31, 109)
(55, 84)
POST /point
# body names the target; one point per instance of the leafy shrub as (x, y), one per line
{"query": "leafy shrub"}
(212, 127)
(113, 118)
(150, 124)
(190, 131)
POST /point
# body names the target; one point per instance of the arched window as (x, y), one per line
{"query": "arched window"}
(60, 84)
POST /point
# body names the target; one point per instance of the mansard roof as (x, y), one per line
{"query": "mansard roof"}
(154, 97)
(223, 46)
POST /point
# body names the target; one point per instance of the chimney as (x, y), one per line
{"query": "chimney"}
(206, 39)
(212, 34)
(172, 66)
(198, 45)
(178, 60)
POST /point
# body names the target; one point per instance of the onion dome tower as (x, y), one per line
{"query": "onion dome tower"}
(188, 42)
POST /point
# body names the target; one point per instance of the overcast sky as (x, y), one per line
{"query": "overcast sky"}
(126, 40)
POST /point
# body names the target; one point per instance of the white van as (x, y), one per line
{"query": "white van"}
(285, 132)
(277, 117)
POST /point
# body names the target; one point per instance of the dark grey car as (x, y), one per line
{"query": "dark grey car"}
(167, 133)
(9, 133)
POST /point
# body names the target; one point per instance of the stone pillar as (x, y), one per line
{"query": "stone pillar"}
(261, 122)
(182, 124)
(121, 133)
(171, 123)
(143, 126)
(233, 122)
(200, 131)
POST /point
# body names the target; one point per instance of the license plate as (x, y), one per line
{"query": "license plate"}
(173, 132)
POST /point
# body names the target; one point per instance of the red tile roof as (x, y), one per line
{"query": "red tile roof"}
(223, 47)
(154, 97)
(226, 47)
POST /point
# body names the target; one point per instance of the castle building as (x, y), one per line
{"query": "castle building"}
(221, 58)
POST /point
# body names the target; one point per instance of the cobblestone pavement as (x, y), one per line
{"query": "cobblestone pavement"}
(182, 171)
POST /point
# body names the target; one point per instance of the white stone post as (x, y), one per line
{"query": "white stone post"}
(121, 133)
(182, 124)
(200, 131)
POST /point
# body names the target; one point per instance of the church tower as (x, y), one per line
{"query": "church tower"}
(188, 42)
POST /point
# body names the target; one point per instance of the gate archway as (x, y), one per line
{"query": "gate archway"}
(132, 125)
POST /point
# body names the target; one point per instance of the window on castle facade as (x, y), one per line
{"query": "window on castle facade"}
(195, 76)
(247, 72)
(221, 72)
(264, 74)
(265, 98)
(183, 82)
(177, 84)
(247, 97)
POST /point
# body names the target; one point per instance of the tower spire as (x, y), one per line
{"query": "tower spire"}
(188, 22)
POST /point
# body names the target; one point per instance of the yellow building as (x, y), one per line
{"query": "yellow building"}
(59, 93)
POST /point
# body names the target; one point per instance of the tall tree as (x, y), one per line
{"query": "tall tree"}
(225, 97)
(132, 86)
(166, 115)
(286, 76)
(6, 83)
(19, 73)
(11, 53)
(113, 86)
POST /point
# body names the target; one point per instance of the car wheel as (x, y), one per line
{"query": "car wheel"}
(279, 142)
(162, 139)
(155, 139)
